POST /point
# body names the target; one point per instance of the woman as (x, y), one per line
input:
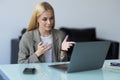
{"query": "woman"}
(41, 42)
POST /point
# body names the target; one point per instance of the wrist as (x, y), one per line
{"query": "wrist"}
(37, 54)
(62, 55)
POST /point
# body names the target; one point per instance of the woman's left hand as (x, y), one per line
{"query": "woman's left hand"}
(67, 44)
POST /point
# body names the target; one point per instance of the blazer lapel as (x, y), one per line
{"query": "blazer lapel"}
(37, 39)
(55, 49)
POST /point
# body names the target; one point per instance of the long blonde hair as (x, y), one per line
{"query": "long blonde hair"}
(39, 9)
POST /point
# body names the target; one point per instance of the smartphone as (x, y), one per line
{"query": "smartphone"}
(29, 71)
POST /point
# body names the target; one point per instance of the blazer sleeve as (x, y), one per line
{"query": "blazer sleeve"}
(65, 58)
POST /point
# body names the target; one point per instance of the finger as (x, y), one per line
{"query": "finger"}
(47, 45)
(66, 38)
(43, 45)
(71, 42)
(40, 43)
(70, 45)
(47, 48)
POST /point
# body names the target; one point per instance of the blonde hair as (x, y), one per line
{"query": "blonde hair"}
(39, 9)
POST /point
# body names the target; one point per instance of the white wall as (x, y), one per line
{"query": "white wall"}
(102, 14)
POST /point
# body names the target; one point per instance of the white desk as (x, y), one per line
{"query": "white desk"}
(14, 72)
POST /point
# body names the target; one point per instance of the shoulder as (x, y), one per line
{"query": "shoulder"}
(26, 40)
(27, 35)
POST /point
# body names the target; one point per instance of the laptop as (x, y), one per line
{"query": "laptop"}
(85, 56)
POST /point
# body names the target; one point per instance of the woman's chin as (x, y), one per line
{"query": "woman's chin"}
(48, 29)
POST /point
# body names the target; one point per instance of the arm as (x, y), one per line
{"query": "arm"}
(65, 46)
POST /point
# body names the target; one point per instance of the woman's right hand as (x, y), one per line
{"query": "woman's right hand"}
(42, 48)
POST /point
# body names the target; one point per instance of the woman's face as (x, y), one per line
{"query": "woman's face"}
(46, 20)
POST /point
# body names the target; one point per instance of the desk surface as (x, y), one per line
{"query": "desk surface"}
(14, 72)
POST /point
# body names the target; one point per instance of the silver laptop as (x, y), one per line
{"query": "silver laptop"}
(85, 56)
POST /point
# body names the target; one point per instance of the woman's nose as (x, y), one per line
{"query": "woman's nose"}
(49, 22)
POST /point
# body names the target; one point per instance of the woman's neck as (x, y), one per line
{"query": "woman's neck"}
(45, 33)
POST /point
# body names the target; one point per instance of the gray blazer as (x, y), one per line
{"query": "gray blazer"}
(28, 46)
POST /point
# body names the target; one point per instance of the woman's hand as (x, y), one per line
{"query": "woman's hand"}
(67, 44)
(42, 48)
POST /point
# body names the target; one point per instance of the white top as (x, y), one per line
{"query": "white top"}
(48, 40)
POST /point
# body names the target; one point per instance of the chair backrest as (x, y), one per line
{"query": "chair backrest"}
(80, 35)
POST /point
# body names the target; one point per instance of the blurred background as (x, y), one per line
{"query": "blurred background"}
(104, 15)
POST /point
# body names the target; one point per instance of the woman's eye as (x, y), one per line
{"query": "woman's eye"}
(44, 19)
(51, 18)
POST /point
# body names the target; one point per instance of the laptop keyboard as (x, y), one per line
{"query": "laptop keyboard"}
(60, 66)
